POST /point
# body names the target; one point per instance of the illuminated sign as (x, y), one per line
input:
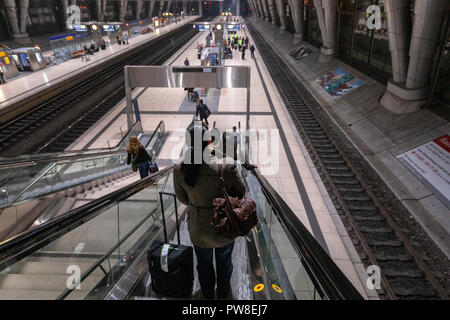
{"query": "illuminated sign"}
(234, 27)
(204, 27)
(108, 27)
(69, 38)
(80, 28)
(2, 54)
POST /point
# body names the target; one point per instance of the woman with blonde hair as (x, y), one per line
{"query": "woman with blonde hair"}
(137, 154)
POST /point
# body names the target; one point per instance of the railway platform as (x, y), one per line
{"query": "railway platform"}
(30, 83)
(297, 180)
(380, 136)
(352, 200)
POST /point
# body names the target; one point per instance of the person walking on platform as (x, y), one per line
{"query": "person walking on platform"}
(203, 111)
(126, 38)
(252, 50)
(240, 44)
(197, 185)
(2, 73)
(138, 157)
(243, 53)
(186, 62)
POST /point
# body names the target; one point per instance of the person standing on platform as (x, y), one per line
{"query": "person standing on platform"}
(118, 40)
(138, 157)
(186, 62)
(252, 50)
(2, 73)
(126, 38)
(243, 53)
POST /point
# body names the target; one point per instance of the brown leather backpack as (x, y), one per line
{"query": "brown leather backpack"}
(233, 217)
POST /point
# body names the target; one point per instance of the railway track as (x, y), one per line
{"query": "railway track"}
(105, 88)
(380, 241)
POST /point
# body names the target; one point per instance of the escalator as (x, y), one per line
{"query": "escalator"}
(98, 250)
(37, 188)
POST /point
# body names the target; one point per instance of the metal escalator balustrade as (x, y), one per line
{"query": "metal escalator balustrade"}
(31, 176)
(295, 263)
(83, 253)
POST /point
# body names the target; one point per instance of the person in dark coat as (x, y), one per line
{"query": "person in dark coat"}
(137, 153)
(196, 185)
(252, 50)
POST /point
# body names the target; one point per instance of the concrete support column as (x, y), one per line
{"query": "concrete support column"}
(273, 11)
(123, 9)
(297, 8)
(152, 6)
(139, 5)
(185, 9)
(260, 9)
(238, 8)
(169, 4)
(407, 95)
(10, 7)
(399, 34)
(429, 16)
(200, 8)
(18, 24)
(281, 6)
(23, 15)
(98, 7)
(266, 10)
(254, 8)
(64, 5)
(327, 17)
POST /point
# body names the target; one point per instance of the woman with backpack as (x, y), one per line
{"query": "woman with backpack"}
(197, 185)
(138, 157)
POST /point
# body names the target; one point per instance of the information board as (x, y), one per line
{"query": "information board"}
(430, 163)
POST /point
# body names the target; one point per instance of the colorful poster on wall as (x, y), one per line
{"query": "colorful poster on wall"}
(430, 163)
(339, 82)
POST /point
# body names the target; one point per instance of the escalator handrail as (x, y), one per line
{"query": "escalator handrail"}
(325, 274)
(24, 244)
(75, 158)
(14, 162)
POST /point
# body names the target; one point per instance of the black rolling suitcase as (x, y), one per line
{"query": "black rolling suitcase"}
(171, 266)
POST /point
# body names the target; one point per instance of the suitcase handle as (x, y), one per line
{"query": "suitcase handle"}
(163, 217)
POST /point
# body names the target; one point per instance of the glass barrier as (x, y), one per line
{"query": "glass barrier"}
(35, 176)
(285, 272)
(86, 260)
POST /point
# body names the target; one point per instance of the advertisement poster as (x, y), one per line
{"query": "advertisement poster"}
(339, 82)
(431, 164)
